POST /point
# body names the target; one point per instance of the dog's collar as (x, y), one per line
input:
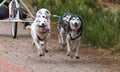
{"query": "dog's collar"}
(75, 37)
(41, 39)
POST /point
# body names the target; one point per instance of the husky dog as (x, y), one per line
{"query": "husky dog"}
(63, 26)
(73, 29)
(40, 34)
(43, 12)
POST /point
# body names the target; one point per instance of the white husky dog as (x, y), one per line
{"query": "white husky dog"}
(40, 34)
(43, 12)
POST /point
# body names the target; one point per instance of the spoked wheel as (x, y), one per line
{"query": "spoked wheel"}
(14, 24)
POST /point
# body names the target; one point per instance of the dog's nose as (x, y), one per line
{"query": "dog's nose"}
(43, 24)
(75, 23)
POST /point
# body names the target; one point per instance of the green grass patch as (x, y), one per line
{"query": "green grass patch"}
(101, 28)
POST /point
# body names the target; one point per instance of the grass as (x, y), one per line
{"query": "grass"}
(101, 28)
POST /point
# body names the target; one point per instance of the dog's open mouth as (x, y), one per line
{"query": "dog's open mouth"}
(42, 29)
(75, 29)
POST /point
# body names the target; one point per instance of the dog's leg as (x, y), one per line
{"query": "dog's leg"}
(77, 49)
(48, 36)
(61, 36)
(59, 39)
(45, 47)
(42, 46)
(33, 43)
(68, 45)
(40, 51)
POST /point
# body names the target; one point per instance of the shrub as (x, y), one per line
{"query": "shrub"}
(100, 27)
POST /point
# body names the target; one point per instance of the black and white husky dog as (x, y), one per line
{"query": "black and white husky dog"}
(72, 26)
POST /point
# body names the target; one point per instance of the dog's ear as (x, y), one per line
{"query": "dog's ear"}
(80, 29)
(40, 12)
(71, 17)
(37, 20)
(64, 14)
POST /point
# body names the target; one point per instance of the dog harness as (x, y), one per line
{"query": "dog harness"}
(75, 37)
(41, 38)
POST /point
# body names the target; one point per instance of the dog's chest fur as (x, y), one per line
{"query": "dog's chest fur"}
(42, 35)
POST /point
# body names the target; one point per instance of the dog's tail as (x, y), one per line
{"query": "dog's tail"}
(28, 27)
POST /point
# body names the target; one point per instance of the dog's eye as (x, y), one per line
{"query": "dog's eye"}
(47, 12)
(73, 19)
(77, 18)
(39, 11)
(73, 24)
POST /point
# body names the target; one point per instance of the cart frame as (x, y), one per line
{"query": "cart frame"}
(14, 16)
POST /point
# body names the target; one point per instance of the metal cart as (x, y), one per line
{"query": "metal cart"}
(14, 6)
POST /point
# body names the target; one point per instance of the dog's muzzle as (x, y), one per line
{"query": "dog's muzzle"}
(75, 27)
(42, 29)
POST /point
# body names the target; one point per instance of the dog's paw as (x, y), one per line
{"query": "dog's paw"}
(68, 54)
(40, 55)
(77, 57)
(64, 45)
(46, 51)
(33, 44)
(71, 54)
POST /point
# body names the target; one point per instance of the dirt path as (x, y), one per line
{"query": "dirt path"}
(18, 55)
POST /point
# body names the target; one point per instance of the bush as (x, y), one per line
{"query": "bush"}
(101, 27)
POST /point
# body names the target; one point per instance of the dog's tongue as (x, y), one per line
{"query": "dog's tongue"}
(75, 29)
(43, 29)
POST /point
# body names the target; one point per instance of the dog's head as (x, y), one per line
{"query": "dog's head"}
(66, 17)
(43, 13)
(75, 23)
(41, 25)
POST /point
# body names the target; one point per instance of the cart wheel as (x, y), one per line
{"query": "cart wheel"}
(14, 24)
